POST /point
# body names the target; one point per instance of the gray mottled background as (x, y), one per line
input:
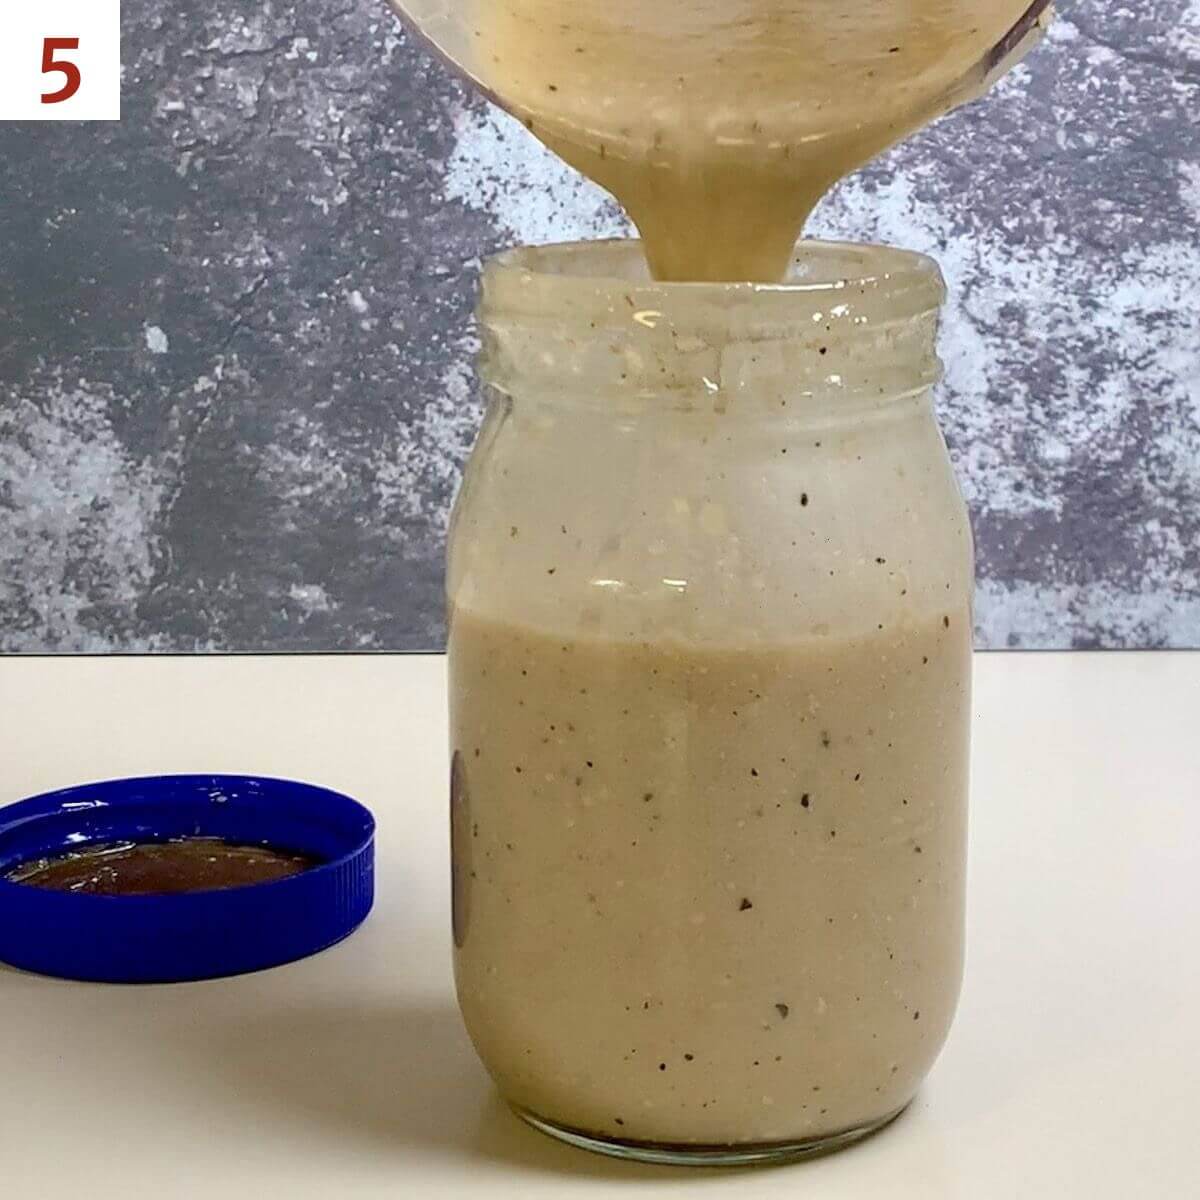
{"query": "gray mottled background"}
(235, 330)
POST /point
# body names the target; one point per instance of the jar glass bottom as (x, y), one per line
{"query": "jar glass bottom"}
(665, 1154)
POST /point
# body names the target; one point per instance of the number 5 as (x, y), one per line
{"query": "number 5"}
(69, 69)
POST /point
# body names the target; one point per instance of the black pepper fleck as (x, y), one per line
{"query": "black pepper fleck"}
(745, 904)
(782, 1010)
(688, 1057)
(805, 800)
(803, 499)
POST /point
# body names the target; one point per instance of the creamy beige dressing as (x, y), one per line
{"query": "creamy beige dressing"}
(719, 124)
(709, 896)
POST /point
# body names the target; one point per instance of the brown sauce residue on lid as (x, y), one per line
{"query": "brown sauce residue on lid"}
(160, 868)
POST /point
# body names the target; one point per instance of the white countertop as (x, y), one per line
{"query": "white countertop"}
(1073, 1069)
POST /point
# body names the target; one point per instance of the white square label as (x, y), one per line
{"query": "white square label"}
(60, 60)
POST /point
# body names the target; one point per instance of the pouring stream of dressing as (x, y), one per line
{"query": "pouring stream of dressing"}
(719, 124)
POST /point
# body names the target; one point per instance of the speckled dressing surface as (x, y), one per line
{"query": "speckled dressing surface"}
(235, 332)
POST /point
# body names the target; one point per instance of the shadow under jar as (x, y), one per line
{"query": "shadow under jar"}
(710, 582)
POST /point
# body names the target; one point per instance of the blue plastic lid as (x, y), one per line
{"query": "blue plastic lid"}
(190, 935)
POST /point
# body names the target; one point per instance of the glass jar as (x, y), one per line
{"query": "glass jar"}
(710, 582)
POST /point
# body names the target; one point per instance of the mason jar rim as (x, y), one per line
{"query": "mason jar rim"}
(880, 282)
(852, 329)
